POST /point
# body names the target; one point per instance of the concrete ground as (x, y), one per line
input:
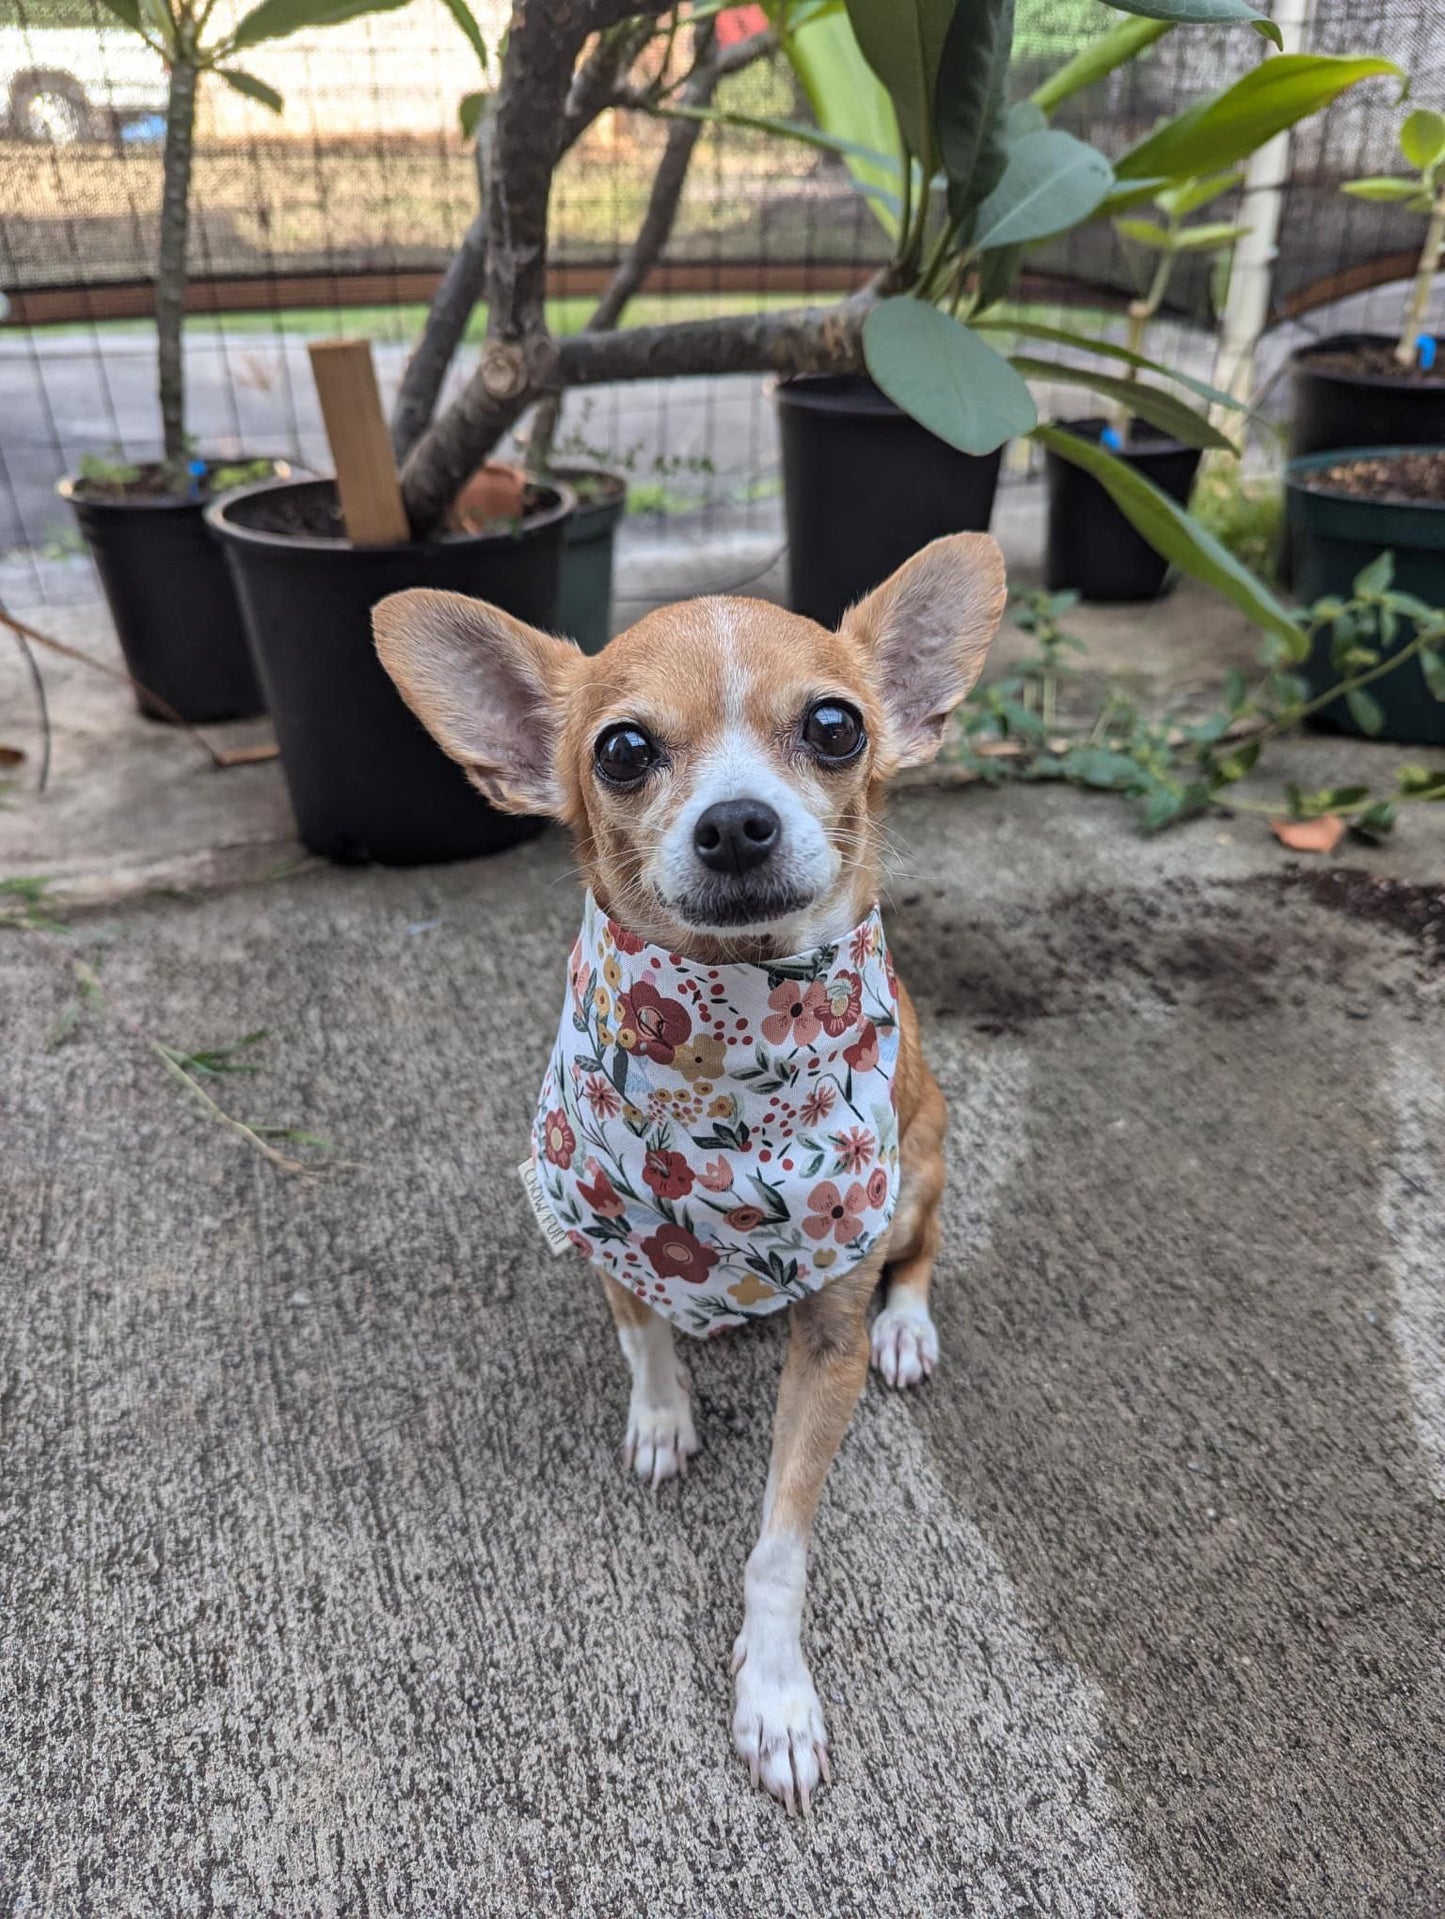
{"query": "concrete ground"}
(322, 1589)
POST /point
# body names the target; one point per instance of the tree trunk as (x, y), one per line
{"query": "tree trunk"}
(171, 260)
(797, 340)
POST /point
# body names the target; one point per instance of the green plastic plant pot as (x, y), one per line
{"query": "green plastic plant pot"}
(1332, 538)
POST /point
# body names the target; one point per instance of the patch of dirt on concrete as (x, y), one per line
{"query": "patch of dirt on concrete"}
(1401, 906)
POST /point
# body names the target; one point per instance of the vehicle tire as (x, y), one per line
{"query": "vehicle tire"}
(50, 108)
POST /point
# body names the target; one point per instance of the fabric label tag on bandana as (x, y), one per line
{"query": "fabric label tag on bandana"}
(552, 1229)
(721, 1140)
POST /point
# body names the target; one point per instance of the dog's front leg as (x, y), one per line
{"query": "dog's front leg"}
(777, 1722)
(660, 1437)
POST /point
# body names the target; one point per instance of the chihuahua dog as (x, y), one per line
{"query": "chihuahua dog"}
(722, 766)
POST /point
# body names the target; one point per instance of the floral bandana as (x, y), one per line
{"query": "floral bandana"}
(721, 1139)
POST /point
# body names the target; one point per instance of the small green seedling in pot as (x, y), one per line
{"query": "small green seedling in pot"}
(1422, 141)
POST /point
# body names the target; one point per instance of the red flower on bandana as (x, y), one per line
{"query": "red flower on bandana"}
(558, 1139)
(624, 941)
(668, 1174)
(843, 1002)
(830, 1211)
(602, 1096)
(745, 1219)
(861, 944)
(651, 1025)
(862, 1055)
(602, 1196)
(675, 1253)
(877, 1188)
(797, 1013)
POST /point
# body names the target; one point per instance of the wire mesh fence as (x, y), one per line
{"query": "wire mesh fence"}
(339, 215)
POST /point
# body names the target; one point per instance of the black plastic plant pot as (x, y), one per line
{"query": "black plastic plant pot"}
(585, 613)
(174, 607)
(1337, 406)
(1091, 549)
(366, 780)
(1332, 536)
(865, 487)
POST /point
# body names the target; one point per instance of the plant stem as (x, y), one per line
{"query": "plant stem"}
(1407, 351)
(171, 258)
(1141, 313)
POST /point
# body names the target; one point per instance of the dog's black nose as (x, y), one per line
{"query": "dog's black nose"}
(733, 836)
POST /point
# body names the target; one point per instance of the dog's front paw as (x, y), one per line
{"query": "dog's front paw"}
(777, 1722)
(660, 1437)
(904, 1342)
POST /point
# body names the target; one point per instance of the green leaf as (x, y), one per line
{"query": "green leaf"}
(1221, 13)
(157, 18)
(1233, 766)
(1220, 131)
(1146, 233)
(1174, 533)
(1098, 58)
(1188, 198)
(276, 19)
(902, 41)
(1422, 138)
(970, 104)
(787, 130)
(1375, 823)
(467, 21)
(1421, 782)
(470, 109)
(944, 376)
(849, 102)
(1209, 237)
(1051, 183)
(1236, 690)
(1062, 336)
(997, 271)
(1433, 667)
(126, 11)
(1162, 808)
(254, 89)
(1024, 116)
(1377, 577)
(1365, 710)
(1101, 767)
(1165, 410)
(1382, 187)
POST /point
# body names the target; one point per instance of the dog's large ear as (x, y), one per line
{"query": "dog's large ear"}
(488, 689)
(926, 631)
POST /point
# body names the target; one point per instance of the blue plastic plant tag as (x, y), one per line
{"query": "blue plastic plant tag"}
(1112, 438)
(1425, 344)
(197, 471)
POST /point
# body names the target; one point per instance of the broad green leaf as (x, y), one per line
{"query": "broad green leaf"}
(254, 89)
(158, 20)
(467, 21)
(1221, 13)
(1188, 198)
(1422, 782)
(970, 104)
(1375, 823)
(902, 40)
(1051, 183)
(1365, 710)
(1123, 42)
(943, 375)
(997, 271)
(1127, 194)
(1382, 187)
(1377, 577)
(1422, 138)
(1061, 336)
(848, 102)
(126, 11)
(276, 19)
(1176, 534)
(1165, 410)
(1024, 116)
(1220, 131)
(1433, 667)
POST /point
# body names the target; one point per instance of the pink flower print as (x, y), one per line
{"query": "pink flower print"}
(862, 1055)
(716, 1176)
(842, 1003)
(855, 1149)
(602, 1096)
(624, 941)
(878, 1188)
(817, 1106)
(602, 1196)
(830, 1211)
(558, 1139)
(668, 1174)
(745, 1219)
(797, 1013)
(861, 944)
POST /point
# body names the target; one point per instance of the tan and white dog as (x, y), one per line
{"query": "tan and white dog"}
(722, 766)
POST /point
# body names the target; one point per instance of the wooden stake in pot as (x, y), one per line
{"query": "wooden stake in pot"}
(366, 478)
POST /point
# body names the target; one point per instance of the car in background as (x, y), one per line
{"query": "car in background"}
(70, 71)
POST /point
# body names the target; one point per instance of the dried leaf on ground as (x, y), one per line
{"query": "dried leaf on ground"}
(1321, 835)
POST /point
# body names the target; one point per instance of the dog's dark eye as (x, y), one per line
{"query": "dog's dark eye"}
(624, 755)
(834, 732)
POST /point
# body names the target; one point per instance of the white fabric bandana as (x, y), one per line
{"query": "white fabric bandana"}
(721, 1139)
